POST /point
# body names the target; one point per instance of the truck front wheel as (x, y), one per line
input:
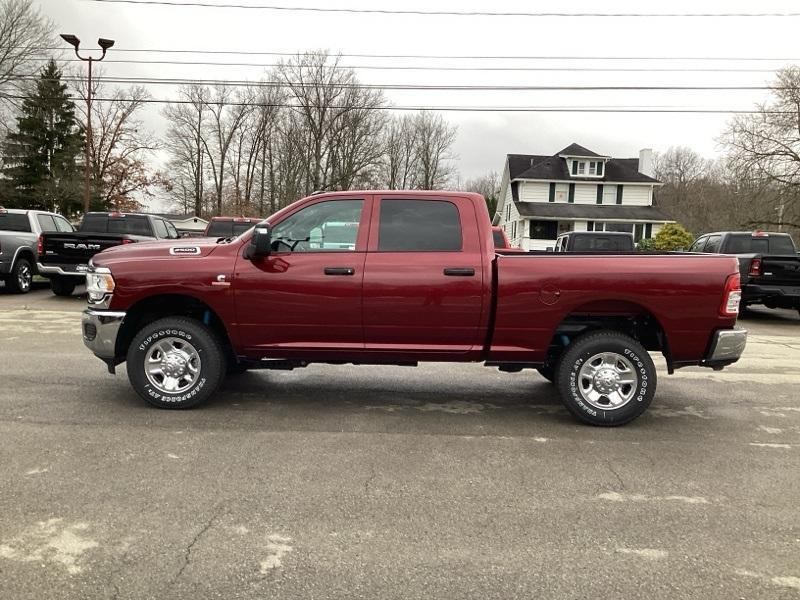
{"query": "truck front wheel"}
(606, 378)
(175, 362)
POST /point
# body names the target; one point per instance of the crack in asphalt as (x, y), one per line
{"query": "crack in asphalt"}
(188, 552)
(617, 475)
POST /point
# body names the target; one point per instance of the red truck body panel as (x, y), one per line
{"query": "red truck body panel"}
(401, 306)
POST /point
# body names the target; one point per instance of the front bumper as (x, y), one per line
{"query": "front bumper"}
(727, 346)
(100, 329)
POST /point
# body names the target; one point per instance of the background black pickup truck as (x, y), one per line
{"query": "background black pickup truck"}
(64, 257)
(768, 263)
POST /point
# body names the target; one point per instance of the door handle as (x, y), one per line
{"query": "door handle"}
(459, 271)
(340, 271)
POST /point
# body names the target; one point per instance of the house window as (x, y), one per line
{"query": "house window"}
(514, 230)
(544, 230)
(648, 230)
(600, 194)
(621, 227)
(589, 225)
(592, 168)
(571, 193)
(619, 194)
(581, 168)
(552, 196)
(600, 168)
(508, 212)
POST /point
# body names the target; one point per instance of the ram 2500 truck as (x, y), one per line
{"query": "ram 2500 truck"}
(417, 279)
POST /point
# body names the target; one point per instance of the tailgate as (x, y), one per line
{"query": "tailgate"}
(75, 248)
(780, 270)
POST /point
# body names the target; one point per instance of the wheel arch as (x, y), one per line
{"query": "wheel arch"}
(160, 306)
(629, 318)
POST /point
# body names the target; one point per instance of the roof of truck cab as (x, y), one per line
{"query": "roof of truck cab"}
(433, 193)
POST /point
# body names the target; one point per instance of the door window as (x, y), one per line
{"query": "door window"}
(330, 226)
(171, 231)
(419, 226)
(698, 245)
(713, 245)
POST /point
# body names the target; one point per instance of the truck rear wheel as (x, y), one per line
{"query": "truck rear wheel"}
(175, 362)
(62, 286)
(606, 378)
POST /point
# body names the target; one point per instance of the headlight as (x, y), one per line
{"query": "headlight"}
(99, 283)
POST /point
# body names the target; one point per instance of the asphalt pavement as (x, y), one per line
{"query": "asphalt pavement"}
(442, 481)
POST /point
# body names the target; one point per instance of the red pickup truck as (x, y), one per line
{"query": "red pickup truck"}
(401, 277)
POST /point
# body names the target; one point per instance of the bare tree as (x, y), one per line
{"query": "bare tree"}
(767, 144)
(121, 147)
(399, 163)
(488, 186)
(184, 140)
(434, 140)
(24, 35)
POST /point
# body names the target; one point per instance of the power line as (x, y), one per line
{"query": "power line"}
(440, 56)
(449, 13)
(419, 87)
(422, 108)
(427, 68)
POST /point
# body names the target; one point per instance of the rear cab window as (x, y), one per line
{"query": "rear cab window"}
(117, 224)
(15, 222)
(419, 226)
(600, 242)
(742, 243)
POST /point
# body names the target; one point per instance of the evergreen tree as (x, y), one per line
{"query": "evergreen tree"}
(39, 158)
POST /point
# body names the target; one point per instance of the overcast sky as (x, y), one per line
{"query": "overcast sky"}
(483, 138)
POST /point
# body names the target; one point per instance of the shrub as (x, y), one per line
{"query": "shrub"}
(672, 237)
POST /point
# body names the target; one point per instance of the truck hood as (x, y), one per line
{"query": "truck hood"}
(162, 249)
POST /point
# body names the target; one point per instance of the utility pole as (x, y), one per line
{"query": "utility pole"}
(104, 44)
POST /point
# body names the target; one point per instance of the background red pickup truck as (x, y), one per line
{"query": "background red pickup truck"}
(401, 277)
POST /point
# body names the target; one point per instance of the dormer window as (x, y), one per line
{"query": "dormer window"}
(587, 168)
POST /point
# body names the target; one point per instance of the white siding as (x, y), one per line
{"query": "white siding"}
(579, 226)
(656, 228)
(637, 195)
(534, 192)
(585, 193)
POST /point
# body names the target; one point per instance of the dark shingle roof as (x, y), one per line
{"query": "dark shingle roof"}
(591, 212)
(536, 166)
(577, 150)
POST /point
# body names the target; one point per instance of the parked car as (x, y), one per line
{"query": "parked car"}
(595, 241)
(421, 282)
(768, 264)
(229, 226)
(19, 252)
(64, 257)
(501, 241)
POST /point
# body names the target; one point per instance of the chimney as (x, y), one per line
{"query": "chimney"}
(646, 162)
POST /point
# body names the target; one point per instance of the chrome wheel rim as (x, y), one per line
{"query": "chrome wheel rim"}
(607, 381)
(172, 365)
(24, 277)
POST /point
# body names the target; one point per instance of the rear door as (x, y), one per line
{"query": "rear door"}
(423, 279)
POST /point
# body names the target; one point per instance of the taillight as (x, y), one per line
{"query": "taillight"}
(755, 268)
(40, 245)
(732, 296)
(126, 241)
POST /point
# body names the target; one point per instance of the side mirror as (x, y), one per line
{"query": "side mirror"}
(260, 244)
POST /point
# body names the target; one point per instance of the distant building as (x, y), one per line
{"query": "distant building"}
(186, 224)
(576, 189)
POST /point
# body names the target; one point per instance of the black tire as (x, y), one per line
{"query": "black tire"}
(20, 278)
(185, 336)
(62, 286)
(548, 372)
(577, 389)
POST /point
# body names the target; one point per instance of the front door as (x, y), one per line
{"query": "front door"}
(305, 297)
(423, 278)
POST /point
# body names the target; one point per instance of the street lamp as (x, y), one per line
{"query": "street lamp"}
(104, 44)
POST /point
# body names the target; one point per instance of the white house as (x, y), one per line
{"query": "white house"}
(576, 190)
